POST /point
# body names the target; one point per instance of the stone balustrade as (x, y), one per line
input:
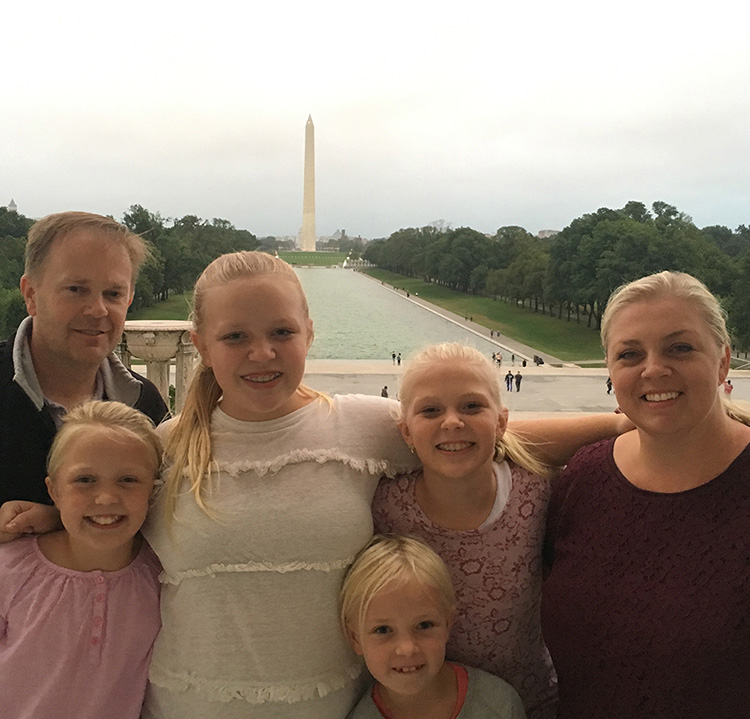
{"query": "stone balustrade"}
(158, 343)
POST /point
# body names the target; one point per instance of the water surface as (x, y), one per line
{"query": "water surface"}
(357, 318)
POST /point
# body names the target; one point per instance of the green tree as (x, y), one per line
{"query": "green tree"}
(738, 304)
(12, 310)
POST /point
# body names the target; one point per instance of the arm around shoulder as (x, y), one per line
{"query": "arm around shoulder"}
(20, 517)
(555, 441)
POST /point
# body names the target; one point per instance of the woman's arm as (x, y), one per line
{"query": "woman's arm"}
(555, 441)
(20, 517)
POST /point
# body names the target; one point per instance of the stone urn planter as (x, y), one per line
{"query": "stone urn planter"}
(157, 343)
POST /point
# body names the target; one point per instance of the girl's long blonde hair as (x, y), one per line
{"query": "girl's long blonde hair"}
(188, 447)
(680, 286)
(510, 445)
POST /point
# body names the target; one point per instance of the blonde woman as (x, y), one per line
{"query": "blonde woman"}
(646, 608)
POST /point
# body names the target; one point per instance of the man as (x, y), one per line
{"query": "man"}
(78, 283)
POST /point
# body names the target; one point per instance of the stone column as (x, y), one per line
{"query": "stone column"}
(187, 357)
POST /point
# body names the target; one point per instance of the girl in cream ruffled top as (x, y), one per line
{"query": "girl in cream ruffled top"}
(250, 625)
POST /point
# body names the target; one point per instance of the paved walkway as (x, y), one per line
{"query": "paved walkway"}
(544, 391)
(547, 390)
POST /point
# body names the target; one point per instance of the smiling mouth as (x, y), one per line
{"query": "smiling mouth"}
(454, 446)
(408, 670)
(262, 378)
(106, 520)
(661, 396)
(91, 333)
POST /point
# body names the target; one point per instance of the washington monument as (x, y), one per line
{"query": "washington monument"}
(307, 233)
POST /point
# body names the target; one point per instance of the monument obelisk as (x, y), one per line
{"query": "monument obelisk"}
(307, 233)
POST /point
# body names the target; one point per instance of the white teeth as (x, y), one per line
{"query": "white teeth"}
(106, 519)
(262, 378)
(663, 397)
(453, 446)
(406, 670)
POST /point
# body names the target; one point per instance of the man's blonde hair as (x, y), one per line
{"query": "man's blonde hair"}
(52, 228)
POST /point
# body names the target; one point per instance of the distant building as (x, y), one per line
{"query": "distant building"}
(546, 234)
(12, 207)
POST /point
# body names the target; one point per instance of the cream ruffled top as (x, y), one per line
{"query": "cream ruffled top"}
(249, 601)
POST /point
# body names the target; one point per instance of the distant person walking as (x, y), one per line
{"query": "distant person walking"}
(519, 377)
(398, 359)
(384, 391)
(728, 387)
(509, 381)
(609, 385)
(393, 357)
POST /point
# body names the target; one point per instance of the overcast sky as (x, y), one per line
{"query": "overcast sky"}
(479, 113)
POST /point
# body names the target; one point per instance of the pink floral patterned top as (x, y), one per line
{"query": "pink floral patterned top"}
(497, 572)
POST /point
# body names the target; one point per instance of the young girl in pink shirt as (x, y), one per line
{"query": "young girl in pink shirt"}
(480, 501)
(79, 608)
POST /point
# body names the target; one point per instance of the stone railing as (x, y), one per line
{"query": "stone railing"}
(158, 343)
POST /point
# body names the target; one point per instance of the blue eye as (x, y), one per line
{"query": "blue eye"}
(427, 624)
(627, 355)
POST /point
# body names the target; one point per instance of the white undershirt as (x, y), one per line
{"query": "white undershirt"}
(503, 482)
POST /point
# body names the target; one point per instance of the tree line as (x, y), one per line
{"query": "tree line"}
(180, 250)
(569, 275)
(572, 274)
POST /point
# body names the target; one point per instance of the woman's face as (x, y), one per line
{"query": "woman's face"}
(665, 365)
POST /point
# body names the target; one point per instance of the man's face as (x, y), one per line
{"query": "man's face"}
(79, 299)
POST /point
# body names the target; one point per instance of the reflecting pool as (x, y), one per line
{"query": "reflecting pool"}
(356, 317)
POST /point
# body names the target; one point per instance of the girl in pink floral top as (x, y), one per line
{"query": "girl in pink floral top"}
(480, 501)
(79, 607)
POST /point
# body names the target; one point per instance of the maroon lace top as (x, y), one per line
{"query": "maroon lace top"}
(646, 611)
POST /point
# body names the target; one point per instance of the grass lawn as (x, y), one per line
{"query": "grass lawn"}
(175, 308)
(323, 259)
(567, 340)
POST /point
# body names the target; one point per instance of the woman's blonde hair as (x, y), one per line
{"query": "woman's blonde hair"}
(189, 444)
(115, 416)
(387, 561)
(510, 445)
(680, 286)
